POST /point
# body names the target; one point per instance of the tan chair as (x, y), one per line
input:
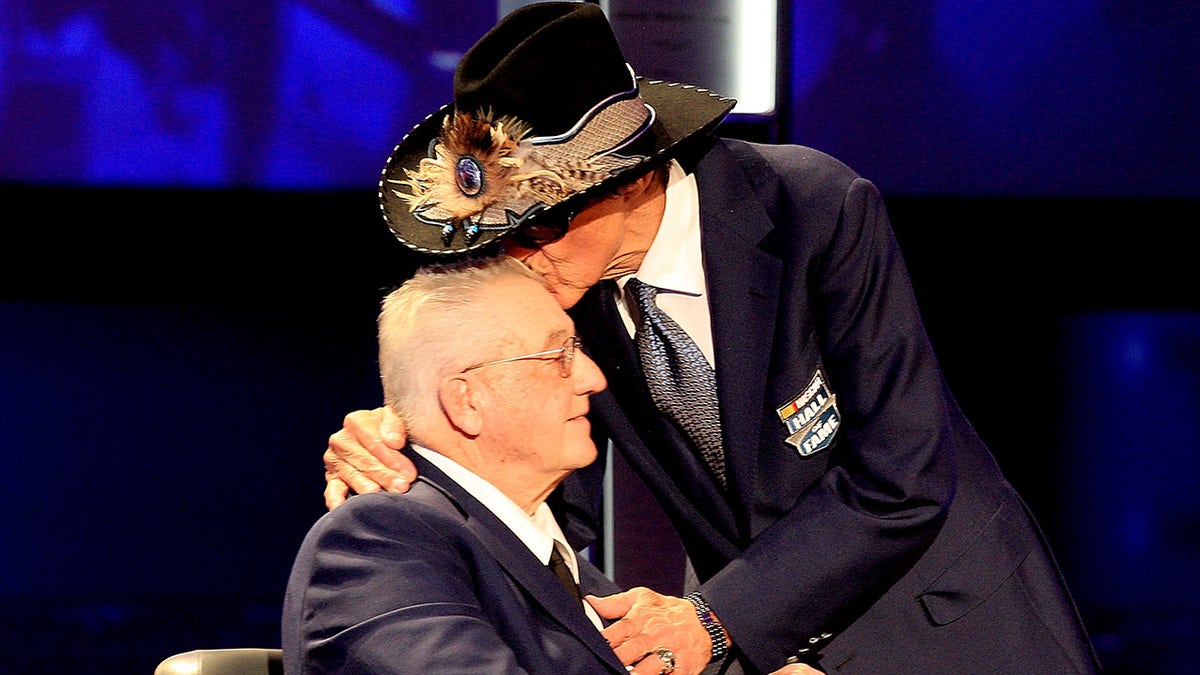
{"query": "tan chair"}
(223, 662)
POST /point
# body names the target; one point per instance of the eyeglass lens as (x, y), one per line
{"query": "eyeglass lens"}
(567, 358)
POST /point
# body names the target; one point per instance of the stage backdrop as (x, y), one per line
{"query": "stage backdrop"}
(193, 255)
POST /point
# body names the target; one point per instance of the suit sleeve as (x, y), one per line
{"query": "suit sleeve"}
(851, 534)
(386, 591)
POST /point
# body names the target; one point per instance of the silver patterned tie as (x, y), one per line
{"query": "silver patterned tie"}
(681, 382)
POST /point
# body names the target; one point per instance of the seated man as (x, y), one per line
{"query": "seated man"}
(452, 577)
(467, 572)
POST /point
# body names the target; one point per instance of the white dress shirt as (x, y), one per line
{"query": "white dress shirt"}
(540, 532)
(675, 266)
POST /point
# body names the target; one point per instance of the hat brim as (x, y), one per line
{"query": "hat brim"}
(682, 112)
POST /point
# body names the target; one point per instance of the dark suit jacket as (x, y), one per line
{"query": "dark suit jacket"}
(900, 548)
(432, 582)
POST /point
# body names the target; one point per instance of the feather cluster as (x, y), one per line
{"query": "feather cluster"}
(504, 172)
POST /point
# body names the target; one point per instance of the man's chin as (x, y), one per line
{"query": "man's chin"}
(567, 297)
(587, 454)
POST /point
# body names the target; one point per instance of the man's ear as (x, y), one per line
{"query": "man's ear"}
(635, 186)
(462, 402)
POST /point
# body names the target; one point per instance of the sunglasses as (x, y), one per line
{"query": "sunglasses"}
(543, 230)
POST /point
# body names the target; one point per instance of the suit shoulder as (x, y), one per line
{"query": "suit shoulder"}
(423, 509)
(798, 187)
(795, 164)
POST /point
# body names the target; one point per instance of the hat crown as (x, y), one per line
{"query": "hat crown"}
(545, 113)
(546, 64)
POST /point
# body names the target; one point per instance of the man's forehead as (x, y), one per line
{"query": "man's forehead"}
(549, 334)
(526, 307)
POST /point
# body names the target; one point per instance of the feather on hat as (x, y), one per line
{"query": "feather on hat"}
(545, 112)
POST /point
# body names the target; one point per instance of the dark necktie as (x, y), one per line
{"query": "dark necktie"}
(558, 565)
(681, 383)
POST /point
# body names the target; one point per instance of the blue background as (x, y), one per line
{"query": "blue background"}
(192, 256)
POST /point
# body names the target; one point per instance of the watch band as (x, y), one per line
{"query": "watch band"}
(720, 639)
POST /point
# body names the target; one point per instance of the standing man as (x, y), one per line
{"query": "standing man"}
(770, 377)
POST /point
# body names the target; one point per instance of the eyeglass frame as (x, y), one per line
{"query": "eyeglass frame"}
(565, 358)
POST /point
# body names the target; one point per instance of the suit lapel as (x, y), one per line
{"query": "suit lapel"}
(519, 562)
(743, 287)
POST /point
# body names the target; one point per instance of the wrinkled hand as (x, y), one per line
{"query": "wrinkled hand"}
(647, 621)
(363, 456)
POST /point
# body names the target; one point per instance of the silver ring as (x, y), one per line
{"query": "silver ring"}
(668, 659)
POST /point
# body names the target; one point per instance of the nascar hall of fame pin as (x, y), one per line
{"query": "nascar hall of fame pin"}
(812, 418)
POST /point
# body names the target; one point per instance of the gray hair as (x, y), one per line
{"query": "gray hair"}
(432, 326)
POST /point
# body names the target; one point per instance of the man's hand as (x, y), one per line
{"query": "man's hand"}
(364, 456)
(649, 621)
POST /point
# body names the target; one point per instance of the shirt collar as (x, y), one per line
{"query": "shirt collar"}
(537, 532)
(674, 261)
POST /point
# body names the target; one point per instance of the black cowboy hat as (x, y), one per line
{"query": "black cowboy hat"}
(546, 112)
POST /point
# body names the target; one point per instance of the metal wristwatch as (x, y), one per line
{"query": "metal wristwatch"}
(720, 639)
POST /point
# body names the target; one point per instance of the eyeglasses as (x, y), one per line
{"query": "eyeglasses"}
(542, 231)
(565, 355)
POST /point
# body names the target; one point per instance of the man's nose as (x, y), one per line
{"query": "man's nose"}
(587, 375)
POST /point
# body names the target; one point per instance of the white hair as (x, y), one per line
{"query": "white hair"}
(432, 326)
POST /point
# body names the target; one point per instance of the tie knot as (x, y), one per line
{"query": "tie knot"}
(643, 298)
(642, 291)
